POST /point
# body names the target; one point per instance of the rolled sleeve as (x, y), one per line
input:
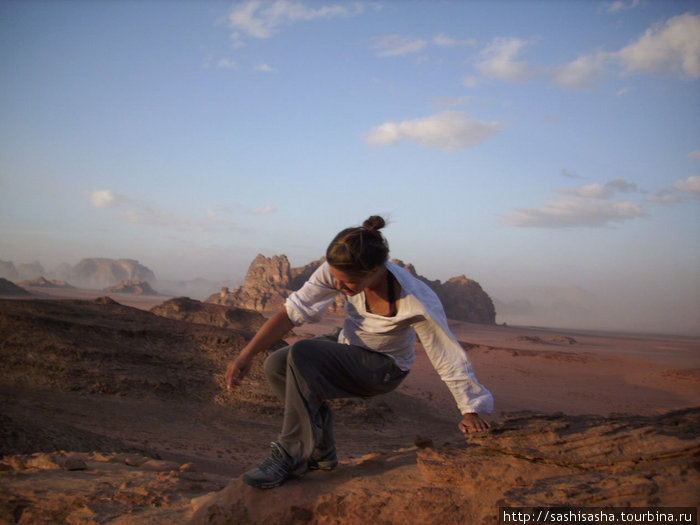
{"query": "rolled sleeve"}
(310, 302)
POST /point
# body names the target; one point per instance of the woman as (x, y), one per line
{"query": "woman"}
(387, 307)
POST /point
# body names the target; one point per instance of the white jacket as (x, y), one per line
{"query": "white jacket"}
(419, 311)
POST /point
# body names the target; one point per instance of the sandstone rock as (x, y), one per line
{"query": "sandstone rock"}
(133, 287)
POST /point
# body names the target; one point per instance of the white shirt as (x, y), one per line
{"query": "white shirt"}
(419, 311)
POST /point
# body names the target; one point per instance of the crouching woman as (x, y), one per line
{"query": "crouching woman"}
(386, 309)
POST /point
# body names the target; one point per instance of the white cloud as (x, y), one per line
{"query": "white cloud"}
(623, 91)
(695, 154)
(262, 19)
(396, 45)
(588, 206)
(603, 191)
(582, 73)
(671, 48)
(227, 63)
(691, 185)
(666, 196)
(444, 40)
(264, 68)
(449, 130)
(619, 5)
(104, 199)
(573, 212)
(263, 210)
(499, 60)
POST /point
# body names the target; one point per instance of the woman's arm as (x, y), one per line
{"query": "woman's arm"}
(273, 330)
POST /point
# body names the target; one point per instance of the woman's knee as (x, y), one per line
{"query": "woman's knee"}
(301, 352)
(275, 364)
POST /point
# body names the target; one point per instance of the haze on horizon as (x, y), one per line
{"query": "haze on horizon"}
(547, 150)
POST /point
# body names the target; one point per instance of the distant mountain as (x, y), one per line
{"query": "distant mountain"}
(99, 273)
(9, 271)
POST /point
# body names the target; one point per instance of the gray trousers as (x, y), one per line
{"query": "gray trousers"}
(304, 375)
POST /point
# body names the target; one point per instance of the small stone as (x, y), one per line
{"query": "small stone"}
(423, 442)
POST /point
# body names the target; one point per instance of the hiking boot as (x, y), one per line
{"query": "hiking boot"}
(323, 459)
(274, 470)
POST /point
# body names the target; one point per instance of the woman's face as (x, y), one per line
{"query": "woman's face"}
(351, 284)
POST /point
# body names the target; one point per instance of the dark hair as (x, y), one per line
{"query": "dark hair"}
(359, 250)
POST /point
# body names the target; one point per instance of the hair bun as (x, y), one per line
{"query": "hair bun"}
(374, 223)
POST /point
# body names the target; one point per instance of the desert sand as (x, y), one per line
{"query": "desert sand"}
(580, 417)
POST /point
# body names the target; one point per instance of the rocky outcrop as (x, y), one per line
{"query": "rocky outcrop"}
(186, 309)
(10, 289)
(463, 299)
(271, 279)
(267, 285)
(132, 287)
(99, 273)
(526, 461)
(42, 282)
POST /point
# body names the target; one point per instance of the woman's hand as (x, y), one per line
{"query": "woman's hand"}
(472, 422)
(237, 370)
(273, 330)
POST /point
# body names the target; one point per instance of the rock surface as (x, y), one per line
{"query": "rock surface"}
(527, 460)
(271, 279)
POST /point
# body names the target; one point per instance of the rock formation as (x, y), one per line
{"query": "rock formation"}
(134, 287)
(271, 279)
(42, 282)
(267, 285)
(99, 273)
(462, 298)
(9, 271)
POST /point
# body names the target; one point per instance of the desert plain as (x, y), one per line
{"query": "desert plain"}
(100, 425)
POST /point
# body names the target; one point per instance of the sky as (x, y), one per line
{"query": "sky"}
(543, 148)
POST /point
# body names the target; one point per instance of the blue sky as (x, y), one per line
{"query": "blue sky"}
(523, 144)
